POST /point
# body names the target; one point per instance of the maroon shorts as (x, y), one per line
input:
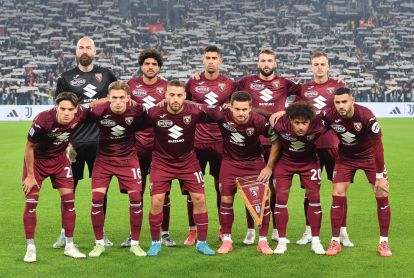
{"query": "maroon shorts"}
(211, 153)
(57, 168)
(189, 175)
(309, 172)
(345, 170)
(127, 171)
(327, 159)
(230, 170)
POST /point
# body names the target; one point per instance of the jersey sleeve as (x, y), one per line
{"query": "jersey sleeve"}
(240, 84)
(36, 131)
(60, 86)
(214, 113)
(293, 88)
(188, 89)
(265, 128)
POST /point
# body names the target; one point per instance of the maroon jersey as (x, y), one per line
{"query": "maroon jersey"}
(210, 92)
(148, 96)
(241, 142)
(294, 147)
(116, 131)
(321, 97)
(50, 137)
(268, 95)
(359, 135)
(174, 133)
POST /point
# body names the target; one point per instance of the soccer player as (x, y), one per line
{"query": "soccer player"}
(89, 82)
(269, 92)
(297, 131)
(174, 158)
(320, 93)
(149, 89)
(45, 156)
(116, 156)
(360, 147)
(211, 88)
(242, 156)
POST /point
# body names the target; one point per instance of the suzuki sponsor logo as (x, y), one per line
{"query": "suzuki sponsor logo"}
(118, 131)
(237, 138)
(297, 146)
(90, 91)
(211, 98)
(319, 102)
(266, 94)
(348, 139)
(149, 102)
(175, 132)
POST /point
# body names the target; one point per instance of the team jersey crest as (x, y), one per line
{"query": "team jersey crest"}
(276, 84)
(358, 126)
(250, 131)
(187, 119)
(129, 120)
(330, 90)
(222, 86)
(160, 90)
(98, 77)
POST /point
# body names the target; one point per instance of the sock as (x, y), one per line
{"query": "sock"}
(249, 219)
(30, 241)
(315, 239)
(155, 221)
(135, 214)
(281, 219)
(134, 242)
(337, 212)
(383, 238)
(264, 228)
(201, 220)
(226, 217)
(262, 238)
(97, 214)
(68, 213)
(343, 224)
(29, 215)
(384, 215)
(190, 209)
(69, 240)
(227, 237)
(166, 214)
(315, 218)
(305, 208)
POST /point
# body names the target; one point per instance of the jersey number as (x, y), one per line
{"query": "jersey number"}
(199, 176)
(316, 174)
(68, 172)
(136, 172)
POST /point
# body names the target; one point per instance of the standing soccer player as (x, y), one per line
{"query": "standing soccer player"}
(297, 131)
(174, 158)
(149, 89)
(360, 147)
(242, 156)
(45, 156)
(89, 82)
(269, 92)
(211, 88)
(320, 93)
(116, 156)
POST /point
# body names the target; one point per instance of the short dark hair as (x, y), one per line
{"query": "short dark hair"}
(241, 96)
(119, 85)
(151, 53)
(69, 96)
(267, 51)
(212, 48)
(300, 110)
(318, 53)
(176, 83)
(342, 91)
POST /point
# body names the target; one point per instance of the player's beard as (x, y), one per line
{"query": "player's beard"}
(268, 73)
(175, 106)
(85, 60)
(151, 77)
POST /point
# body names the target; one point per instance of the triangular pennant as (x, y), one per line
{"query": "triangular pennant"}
(254, 194)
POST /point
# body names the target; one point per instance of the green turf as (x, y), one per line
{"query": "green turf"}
(361, 261)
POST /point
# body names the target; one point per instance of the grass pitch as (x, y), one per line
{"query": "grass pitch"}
(361, 261)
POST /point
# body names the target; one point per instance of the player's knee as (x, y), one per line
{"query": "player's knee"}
(282, 197)
(134, 197)
(157, 202)
(98, 197)
(198, 200)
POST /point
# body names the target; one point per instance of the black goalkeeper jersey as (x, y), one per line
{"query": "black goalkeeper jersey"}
(88, 86)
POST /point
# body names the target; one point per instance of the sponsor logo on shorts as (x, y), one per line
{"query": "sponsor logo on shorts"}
(338, 128)
(107, 123)
(164, 123)
(76, 81)
(229, 127)
(250, 131)
(358, 126)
